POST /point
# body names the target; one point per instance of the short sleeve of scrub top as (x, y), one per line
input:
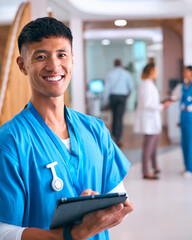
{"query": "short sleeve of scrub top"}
(12, 189)
(115, 165)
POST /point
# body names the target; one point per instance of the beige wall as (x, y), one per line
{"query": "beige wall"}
(172, 56)
(4, 31)
(172, 60)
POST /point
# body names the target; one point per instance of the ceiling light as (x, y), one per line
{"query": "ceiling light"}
(49, 9)
(129, 41)
(120, 22)
(105, 42)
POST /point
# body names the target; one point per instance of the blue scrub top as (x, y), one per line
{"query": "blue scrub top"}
(26, 147)
(186, 106)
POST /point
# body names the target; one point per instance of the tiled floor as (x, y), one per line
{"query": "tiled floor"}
(163, 208)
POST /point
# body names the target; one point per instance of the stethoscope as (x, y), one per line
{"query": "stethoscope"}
(57, 183)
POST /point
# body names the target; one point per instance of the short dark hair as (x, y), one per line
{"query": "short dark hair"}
(189, 67)
(117, 62)
(44, 27)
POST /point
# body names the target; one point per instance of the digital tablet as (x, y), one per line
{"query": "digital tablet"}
(171, 98)
(72, 210)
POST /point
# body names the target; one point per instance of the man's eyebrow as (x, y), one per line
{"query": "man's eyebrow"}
(62, 50)
(40, 51)
(45, 51)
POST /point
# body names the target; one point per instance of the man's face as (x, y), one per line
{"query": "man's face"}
(48, 65)
(187, 75)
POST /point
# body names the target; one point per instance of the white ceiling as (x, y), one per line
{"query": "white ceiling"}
(154, 35)
(108, 10)
(104, 9)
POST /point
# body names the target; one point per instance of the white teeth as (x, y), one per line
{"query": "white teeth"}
(56, 78)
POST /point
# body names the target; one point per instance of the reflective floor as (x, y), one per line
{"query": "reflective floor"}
(163, 208)
(129, 139)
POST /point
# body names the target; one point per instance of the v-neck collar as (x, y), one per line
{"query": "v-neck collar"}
(72, 160)
(73, 137)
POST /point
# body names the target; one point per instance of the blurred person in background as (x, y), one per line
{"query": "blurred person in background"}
(118, 87)
(148, 119)
(186, 121)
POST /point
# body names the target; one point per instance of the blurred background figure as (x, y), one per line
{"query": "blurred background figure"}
(148, 119)
(118, 86)
(186, 121)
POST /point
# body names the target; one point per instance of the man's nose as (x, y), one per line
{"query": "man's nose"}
(53, 64)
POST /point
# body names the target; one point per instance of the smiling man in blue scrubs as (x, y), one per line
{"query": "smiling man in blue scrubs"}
(49, 151)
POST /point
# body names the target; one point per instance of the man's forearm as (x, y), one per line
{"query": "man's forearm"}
(39, 234)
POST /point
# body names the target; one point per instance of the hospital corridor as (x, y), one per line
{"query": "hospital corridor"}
(96, 98)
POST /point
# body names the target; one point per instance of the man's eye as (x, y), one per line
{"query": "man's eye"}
(62, 55)
(41, 57)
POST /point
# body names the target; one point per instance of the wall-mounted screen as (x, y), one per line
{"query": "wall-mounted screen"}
(96, 86)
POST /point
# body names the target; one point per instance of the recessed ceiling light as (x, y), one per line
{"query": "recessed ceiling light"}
(105, 42)
(49, 9)
(129, 41)
(120, 22)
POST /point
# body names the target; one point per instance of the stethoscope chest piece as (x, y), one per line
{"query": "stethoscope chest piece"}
(57, 183)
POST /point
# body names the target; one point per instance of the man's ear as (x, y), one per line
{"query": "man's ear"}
(72, 58)
(20, 63)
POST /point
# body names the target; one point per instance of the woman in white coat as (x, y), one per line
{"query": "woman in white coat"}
(148, 119)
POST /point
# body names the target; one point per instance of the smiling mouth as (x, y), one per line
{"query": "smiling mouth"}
(53, 79)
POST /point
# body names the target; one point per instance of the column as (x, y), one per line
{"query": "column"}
(77, 82)
(187, 40)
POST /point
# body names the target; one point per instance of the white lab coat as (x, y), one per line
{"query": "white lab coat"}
(148, 118)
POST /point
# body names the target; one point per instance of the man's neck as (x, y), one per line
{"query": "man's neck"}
(52, 112)
(188, 83)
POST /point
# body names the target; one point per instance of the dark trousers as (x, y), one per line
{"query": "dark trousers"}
(117, 105)
(149, 152)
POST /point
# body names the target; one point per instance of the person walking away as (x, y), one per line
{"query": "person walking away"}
(118, 86)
